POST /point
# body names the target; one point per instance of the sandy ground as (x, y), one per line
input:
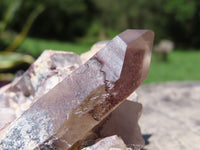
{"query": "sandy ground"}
(171, 115)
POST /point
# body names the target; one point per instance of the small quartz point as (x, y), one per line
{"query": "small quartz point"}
(123, 122)
(127, 128)
(70, 110)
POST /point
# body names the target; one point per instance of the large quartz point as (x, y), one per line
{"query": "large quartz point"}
(68, 112)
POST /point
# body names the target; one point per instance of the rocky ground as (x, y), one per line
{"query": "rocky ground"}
(171, 115)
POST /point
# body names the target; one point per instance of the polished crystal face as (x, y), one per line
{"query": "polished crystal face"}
(69, 111)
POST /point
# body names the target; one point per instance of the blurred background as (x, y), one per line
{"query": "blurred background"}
(27, 27)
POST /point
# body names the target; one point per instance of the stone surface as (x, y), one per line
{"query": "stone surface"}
(6, 115)
(47, 71)
(109, 143)
(165, 46)
(171, 115)
(94, 49)
(87, 95)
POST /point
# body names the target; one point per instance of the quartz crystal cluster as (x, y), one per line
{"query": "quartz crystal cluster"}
(64, 101)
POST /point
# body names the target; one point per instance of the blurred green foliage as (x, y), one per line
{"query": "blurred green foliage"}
(9, 60)
(9, 14)
(178, 20)
(36, 46)
(20, 37)
(62, 19)
(180, 67)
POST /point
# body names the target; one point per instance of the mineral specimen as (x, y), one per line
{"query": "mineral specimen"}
(69, 111)
(47, 71)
